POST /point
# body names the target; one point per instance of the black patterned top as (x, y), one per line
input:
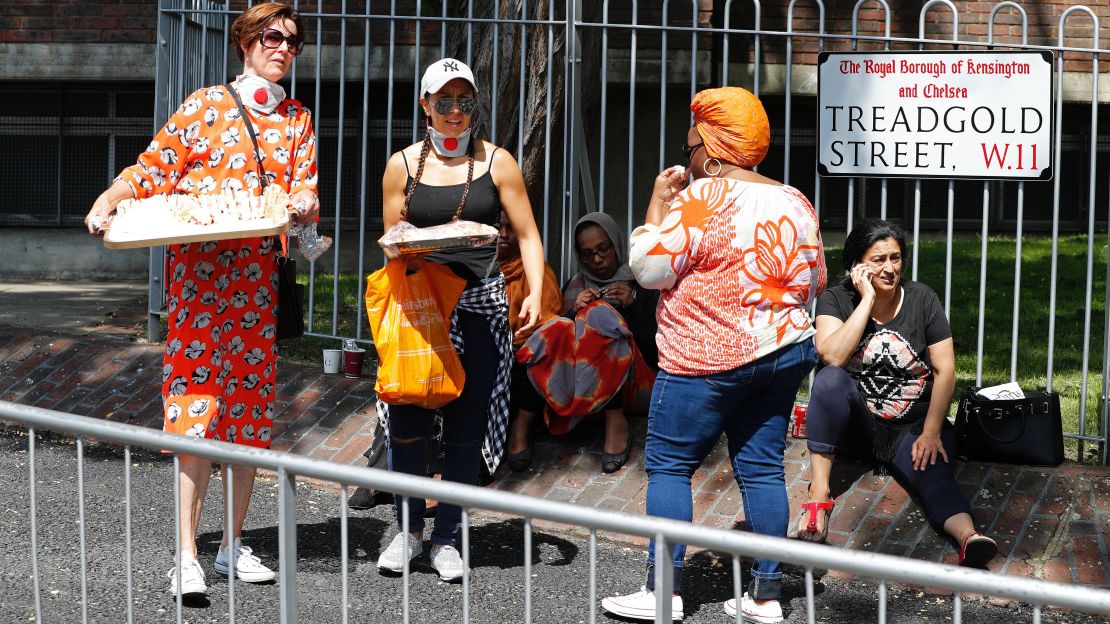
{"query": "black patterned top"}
(891, 365)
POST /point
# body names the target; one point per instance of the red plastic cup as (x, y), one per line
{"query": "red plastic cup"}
(798, 427)
(352, 362)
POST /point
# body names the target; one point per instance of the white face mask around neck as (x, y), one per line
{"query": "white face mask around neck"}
(449, 147)
(258, 93)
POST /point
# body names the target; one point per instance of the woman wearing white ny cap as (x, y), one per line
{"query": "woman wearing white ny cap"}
(451, 173)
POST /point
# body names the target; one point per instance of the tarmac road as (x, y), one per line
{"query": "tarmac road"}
(560, 581)
(70, 306)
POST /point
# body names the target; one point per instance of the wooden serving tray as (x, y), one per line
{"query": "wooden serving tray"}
(186, 233)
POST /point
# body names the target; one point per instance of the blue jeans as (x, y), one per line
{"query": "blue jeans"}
(752, 406)
(464, 427)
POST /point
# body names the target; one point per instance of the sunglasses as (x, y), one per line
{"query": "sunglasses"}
(273, 39)
(445, 105)
(688, 150)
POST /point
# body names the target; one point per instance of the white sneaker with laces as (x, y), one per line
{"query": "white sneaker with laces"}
(393, 557)
(769, 613)
(448, 562)
(192, 578)
(640, 605)
(248, 567)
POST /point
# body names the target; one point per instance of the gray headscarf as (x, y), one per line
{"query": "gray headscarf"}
(620, 247)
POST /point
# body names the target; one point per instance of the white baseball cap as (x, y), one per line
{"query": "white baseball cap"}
(443, 71)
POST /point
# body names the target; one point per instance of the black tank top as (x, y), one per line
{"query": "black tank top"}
(435, 205)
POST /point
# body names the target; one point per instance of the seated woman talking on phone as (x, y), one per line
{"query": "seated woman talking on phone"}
(887, 381)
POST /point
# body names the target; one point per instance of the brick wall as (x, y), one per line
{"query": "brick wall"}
(135, 21)
(78, 21)
(1043, 22)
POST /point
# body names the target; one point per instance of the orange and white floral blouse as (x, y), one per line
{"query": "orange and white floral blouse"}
(737, 263)
(204, 148)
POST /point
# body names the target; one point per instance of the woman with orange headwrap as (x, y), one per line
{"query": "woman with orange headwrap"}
(737, 257)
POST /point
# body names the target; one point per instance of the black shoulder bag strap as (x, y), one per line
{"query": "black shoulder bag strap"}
(262, 179)
(291, 321)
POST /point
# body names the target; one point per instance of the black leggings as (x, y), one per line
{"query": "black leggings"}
(522, 394)
(464, 428)
(838, 416)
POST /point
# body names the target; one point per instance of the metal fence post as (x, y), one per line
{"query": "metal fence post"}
(162, 107)
(578, 163)
(664, 579)
(287, 546)
(31, 479)
(570, 98)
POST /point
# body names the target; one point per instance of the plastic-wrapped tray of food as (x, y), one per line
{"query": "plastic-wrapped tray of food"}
(177, 218)
(405, 238)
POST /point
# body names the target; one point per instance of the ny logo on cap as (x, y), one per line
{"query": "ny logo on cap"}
(450, 66)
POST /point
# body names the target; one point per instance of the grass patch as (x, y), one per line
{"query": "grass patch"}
(338, 310)
(332, 315)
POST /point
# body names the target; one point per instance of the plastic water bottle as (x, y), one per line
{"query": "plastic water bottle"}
(309, 241)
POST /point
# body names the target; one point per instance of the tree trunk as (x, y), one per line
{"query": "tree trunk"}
(504, 96)
(538, 66)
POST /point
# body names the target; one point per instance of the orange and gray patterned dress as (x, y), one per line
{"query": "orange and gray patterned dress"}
(219, 371)
(737, 263)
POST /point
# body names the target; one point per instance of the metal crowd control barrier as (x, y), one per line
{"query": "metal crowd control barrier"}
(884, 568)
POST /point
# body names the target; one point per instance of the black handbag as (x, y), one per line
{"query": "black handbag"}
(1012, 431)
(290, 310)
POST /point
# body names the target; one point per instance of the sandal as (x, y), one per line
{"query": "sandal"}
(977, 551)
(809, 532)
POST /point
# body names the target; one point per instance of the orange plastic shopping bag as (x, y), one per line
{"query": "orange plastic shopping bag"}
(409, 314)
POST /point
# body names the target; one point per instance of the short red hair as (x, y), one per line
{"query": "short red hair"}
(248, 27)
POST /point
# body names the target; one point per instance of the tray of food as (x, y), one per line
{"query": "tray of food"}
(177, 218)
(405, 238)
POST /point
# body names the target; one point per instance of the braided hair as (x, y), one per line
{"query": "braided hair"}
(424, 149)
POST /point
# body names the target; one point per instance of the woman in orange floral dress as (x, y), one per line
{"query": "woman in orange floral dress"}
(737, 257)
(220, 371)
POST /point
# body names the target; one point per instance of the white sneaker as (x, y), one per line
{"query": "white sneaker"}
(248, 567)
(640, 605)
(192, 578)
(769, 613)
(448, 562)
(393, 557)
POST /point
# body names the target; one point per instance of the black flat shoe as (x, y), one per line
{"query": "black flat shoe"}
(612, 462)
(361, 499)
(519, 462)
(367, 499)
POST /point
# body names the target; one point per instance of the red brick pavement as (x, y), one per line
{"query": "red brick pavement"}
(1050, 523)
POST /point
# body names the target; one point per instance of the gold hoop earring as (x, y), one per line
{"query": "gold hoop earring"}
(706, 169)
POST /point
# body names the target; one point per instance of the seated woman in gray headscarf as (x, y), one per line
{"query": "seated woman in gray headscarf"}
(601, 356)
